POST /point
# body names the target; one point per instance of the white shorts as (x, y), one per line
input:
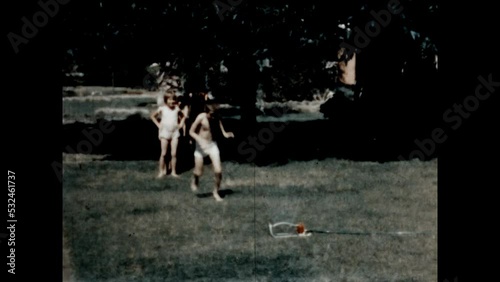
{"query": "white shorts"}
(167, 134)
(211, 150)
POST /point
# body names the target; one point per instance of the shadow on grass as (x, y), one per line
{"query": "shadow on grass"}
(222, 194)
(156, 186)
(141, 211)
(358, 141)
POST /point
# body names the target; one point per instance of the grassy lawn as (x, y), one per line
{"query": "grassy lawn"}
(123, 224)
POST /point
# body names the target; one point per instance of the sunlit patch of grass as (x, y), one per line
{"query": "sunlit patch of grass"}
(123, 224)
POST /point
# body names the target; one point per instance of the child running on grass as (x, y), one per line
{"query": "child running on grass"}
(202, 131)
(171, 119)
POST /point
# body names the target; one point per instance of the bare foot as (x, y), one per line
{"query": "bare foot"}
(161, 175)
(174, 175)
(194, 187)
(217, 197)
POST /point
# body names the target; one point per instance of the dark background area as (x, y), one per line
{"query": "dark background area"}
(112, 43)
(467, 161)
(136, 138)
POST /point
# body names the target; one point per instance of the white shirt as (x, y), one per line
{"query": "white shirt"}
(169, 117)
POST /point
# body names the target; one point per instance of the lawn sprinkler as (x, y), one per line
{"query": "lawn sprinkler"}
(288, 230)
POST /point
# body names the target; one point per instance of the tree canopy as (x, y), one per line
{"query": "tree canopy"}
(281, 49)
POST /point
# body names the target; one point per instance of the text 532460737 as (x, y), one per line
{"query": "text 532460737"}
(11, 221)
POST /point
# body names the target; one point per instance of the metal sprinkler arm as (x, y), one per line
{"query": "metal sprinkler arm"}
(299, 230)
(287, 235)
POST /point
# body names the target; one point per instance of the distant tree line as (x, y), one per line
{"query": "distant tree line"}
(282, 49)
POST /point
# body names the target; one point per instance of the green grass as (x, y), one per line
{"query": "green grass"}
(122, 224)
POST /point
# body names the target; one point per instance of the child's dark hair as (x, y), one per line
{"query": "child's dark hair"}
(212, 106)
(170, 93)
(212, 103)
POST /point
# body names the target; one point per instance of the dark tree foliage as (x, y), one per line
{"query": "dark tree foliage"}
(112, 43)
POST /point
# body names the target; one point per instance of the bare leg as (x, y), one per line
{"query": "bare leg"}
(162, 166)
(173, 153)
(215, 158)
(218, 179)
(197, 172)
(195, 182)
